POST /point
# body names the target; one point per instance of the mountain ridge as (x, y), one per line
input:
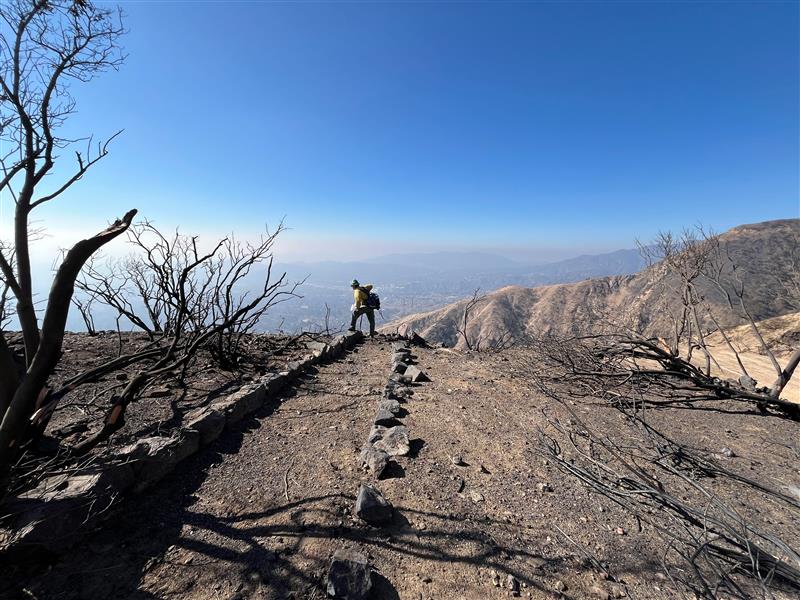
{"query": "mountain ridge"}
(762, 250)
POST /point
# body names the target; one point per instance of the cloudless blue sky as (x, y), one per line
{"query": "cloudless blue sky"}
(520, 127)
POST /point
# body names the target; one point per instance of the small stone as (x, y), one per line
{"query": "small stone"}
(349, 576)
(476, 496)
(543, 487)
(560, 586)
(495, 578)
(513, 585)
(727, 453)
(457, 460)
(372, 507)
(121, 376)
(619, 531)
(599, 592)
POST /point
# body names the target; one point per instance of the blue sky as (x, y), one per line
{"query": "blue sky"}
(533, 129)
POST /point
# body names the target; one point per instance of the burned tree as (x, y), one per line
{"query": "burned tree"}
(45, 45)
(463, 328)
(703, 291)
(185, 300)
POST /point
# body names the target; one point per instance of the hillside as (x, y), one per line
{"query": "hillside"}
(762, 251)
(479, 511)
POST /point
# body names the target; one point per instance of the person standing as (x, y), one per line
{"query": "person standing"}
(361, 295)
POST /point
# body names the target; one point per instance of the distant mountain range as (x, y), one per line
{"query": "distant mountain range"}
(413, 282)
(764, 253)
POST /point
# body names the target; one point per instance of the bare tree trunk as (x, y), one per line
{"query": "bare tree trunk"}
(8, 375)
(13, 429)
(785, 375)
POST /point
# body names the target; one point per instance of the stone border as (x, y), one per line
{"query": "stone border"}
(388, 437)
(62, 509)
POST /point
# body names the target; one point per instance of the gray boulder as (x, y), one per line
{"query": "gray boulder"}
(399, 367)
(384, 417)
(51, 515)
(393, 406)
(349, 576)
(392, 440)
(154, 457)
(372, 507)
(416, 374)
(403, 379)
(207, 422)
(374, 460)
(417, 340)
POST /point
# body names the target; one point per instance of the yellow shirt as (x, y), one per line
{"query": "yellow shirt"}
(360, 295)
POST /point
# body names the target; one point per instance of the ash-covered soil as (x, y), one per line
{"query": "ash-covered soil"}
(260, 513)
(163, 405)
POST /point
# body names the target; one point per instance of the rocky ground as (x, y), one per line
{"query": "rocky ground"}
(479, 510)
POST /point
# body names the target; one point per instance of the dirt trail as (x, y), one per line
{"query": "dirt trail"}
(261, 512)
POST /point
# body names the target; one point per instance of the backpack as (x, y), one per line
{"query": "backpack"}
(373, 300)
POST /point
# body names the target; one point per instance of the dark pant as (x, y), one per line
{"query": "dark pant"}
(370, 312)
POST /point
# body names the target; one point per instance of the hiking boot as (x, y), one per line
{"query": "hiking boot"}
(351, 329)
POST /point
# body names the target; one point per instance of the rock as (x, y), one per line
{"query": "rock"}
(560, 586)
(495, 578)
(415, 374)
(320, 347)
(619, 531)
(273, 383)
(241, 403)
(457, 460)
(51, 515)
(400, 347)
(295, 368)
(207, 422)
(399, 368)
(476, 496)
(543, 487)
(374, 460)
(395, 391)
(748, 383)
(401, 357)
(393, 406)
(121, 376)
(372, 507)
(727, 453)
(154, 457)
(513, 585)
(403, 379)
(351, 338)
(349, 576)
(384, 417)
(392, 440)
(417, 340)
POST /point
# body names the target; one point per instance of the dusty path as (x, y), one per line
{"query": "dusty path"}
(259, 514)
